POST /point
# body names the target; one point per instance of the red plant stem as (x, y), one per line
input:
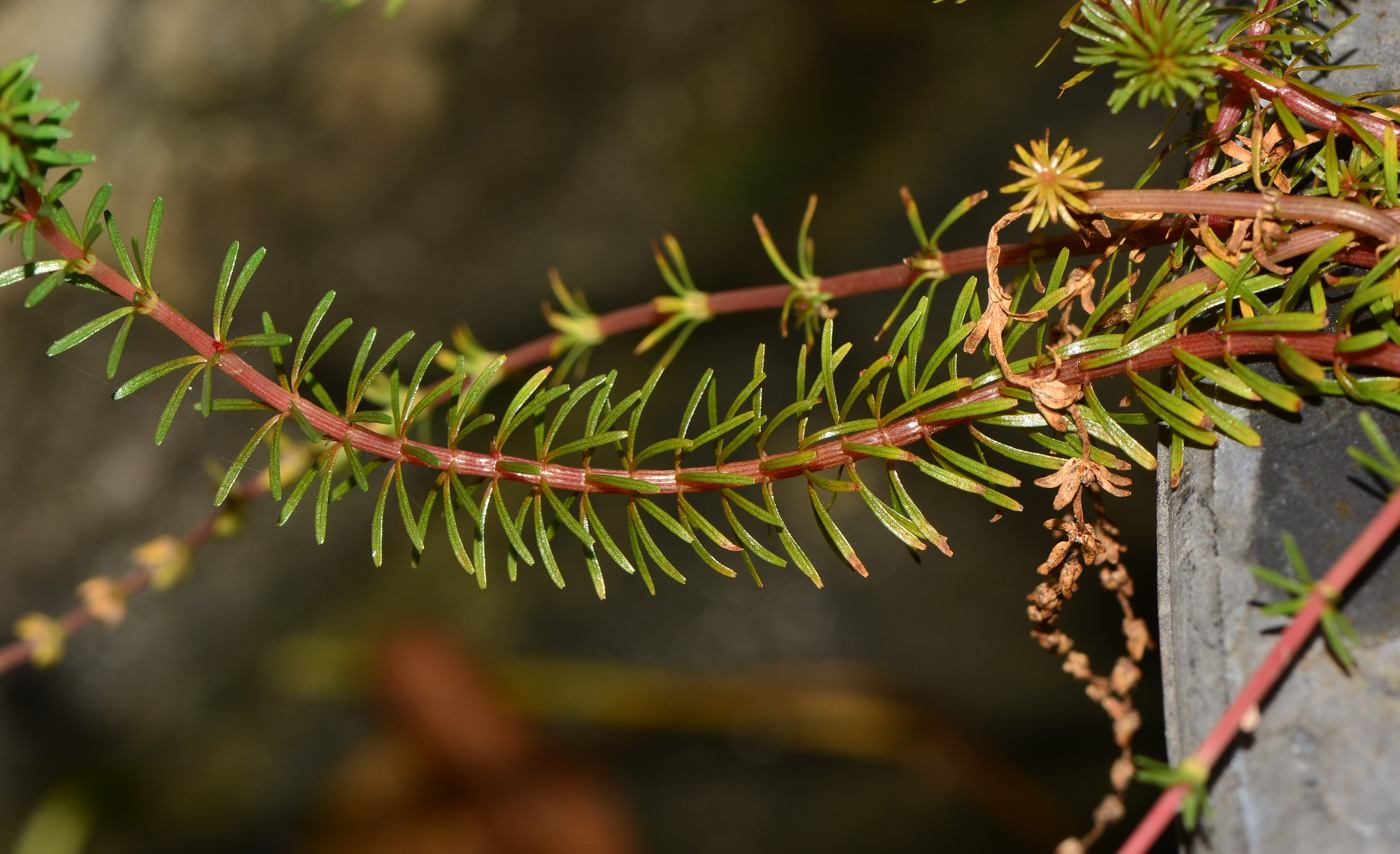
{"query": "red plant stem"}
(1298, 243)
(1290, 643)
(1311, 108)
(762, 297)
(1350, 215)
(827, 455)
(1232, 107)
(18, 652)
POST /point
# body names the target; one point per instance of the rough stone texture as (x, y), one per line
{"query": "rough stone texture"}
(1322, 771)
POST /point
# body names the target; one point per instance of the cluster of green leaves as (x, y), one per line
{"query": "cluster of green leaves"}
(30, 129)
(736, 451)
(1166, 49)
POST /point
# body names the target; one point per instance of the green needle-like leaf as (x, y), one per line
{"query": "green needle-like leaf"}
(832, 532)
(172, 406)
(89, 329)
(376, 525)
(231, 476)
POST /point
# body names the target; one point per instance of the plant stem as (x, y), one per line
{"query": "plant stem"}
(1233, 106)
(18, 652)
(1290, 643)
(1314, 109)
(828, 455)
(1351, 215)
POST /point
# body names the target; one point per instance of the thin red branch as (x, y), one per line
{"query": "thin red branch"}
(770, 296)
(828, 455)
(1290, 643)
(1307, 106)
(1233, 106)
(1350, 215)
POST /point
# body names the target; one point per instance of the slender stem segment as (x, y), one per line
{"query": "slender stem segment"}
(1289, 645)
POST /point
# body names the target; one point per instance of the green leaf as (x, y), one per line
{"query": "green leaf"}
(1117, 435)
(148, 255)
(698, 521)
(1221, 377)
(595, 527)
(1288, 321)
(542, 542)
(510, 420)
(1297, 364)
(471, 394)
(969, 411)
(1388, 466)
(1297, 283)
(895, 523)
(1182, 417)
(564, 517)
(114, 355)
(236, 293)
(87, 330)
(524, 467)
(1020, 455)
(114, 235)
(640, 535)
(424, 455)
(790, 545)
(1179, 409)
(231, 476)
(666, 519)
(454, 534)
(260, 340)
(512, 528)
(92, 223)
(1362, 342)
(742, 534)
(150, 375)
(630, 484)
(1224, 422)
(1275, 393)
(376, 525)
(406, 509)
(635, 424)
(665, 446)
(58, 188)
(834, 537)
(577, 446)
(574, 398)
(304, 342)
(302, 484)
(34, 268)
(172, 406)
(786, 461)
(1192, 773)
(714, 477)
(974, 467)
(43, 289)
(1161, 308)
(411, 406)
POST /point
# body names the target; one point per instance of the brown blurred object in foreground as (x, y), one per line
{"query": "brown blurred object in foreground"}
(462, 772)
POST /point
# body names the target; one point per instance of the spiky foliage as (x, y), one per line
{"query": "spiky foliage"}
(1017, 367)
(1161, 47)
(1053, 182)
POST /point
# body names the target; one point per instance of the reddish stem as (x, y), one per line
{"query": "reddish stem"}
(1290, 643)
(1233, 107)
(827, 455)
(1314, 109)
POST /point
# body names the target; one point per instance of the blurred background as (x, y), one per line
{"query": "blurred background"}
(430, 169)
